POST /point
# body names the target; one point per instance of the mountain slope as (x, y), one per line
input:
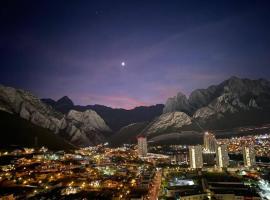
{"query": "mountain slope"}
(29, 107)
(127, 134)
(168, 122)
(20, 132)
(92, 127)
(63, 105)
(167, 128)
(183, 137)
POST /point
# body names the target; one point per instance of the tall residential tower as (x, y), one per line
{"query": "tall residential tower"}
(142, 146)
(210, 142)
(222, 157)
(195, 156)
(249, 156)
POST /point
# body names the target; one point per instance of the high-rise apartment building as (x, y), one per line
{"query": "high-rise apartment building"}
(195, 156)
(210, 142)
(249, 156)
(142, 146)
(222, 157)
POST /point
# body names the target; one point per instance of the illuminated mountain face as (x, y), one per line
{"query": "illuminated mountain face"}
(80, 128)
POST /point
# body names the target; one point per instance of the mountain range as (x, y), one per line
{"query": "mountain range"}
(223, 108)
(116, 118)
(233, 103)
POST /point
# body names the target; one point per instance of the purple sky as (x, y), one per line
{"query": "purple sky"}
(76, 49)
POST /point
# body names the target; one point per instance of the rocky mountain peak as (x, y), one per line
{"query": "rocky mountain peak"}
(234, 78)
(89, 118)
(65, 100)
(181, 95)
(232, 95)
(177, 103)
(62, 105)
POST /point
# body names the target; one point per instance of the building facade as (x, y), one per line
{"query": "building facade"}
(142, 146)
(195, 157)
(222, 157)
(249, 156)
(209, 158)
(210, 142)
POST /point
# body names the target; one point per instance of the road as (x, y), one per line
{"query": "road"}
(154, 191)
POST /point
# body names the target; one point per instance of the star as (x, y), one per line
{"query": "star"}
(123, 64)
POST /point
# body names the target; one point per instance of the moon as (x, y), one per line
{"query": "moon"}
(123, 64)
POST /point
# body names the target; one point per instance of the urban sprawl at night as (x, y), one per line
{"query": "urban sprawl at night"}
(217, 169)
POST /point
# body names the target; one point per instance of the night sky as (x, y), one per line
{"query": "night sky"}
(130, 53)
